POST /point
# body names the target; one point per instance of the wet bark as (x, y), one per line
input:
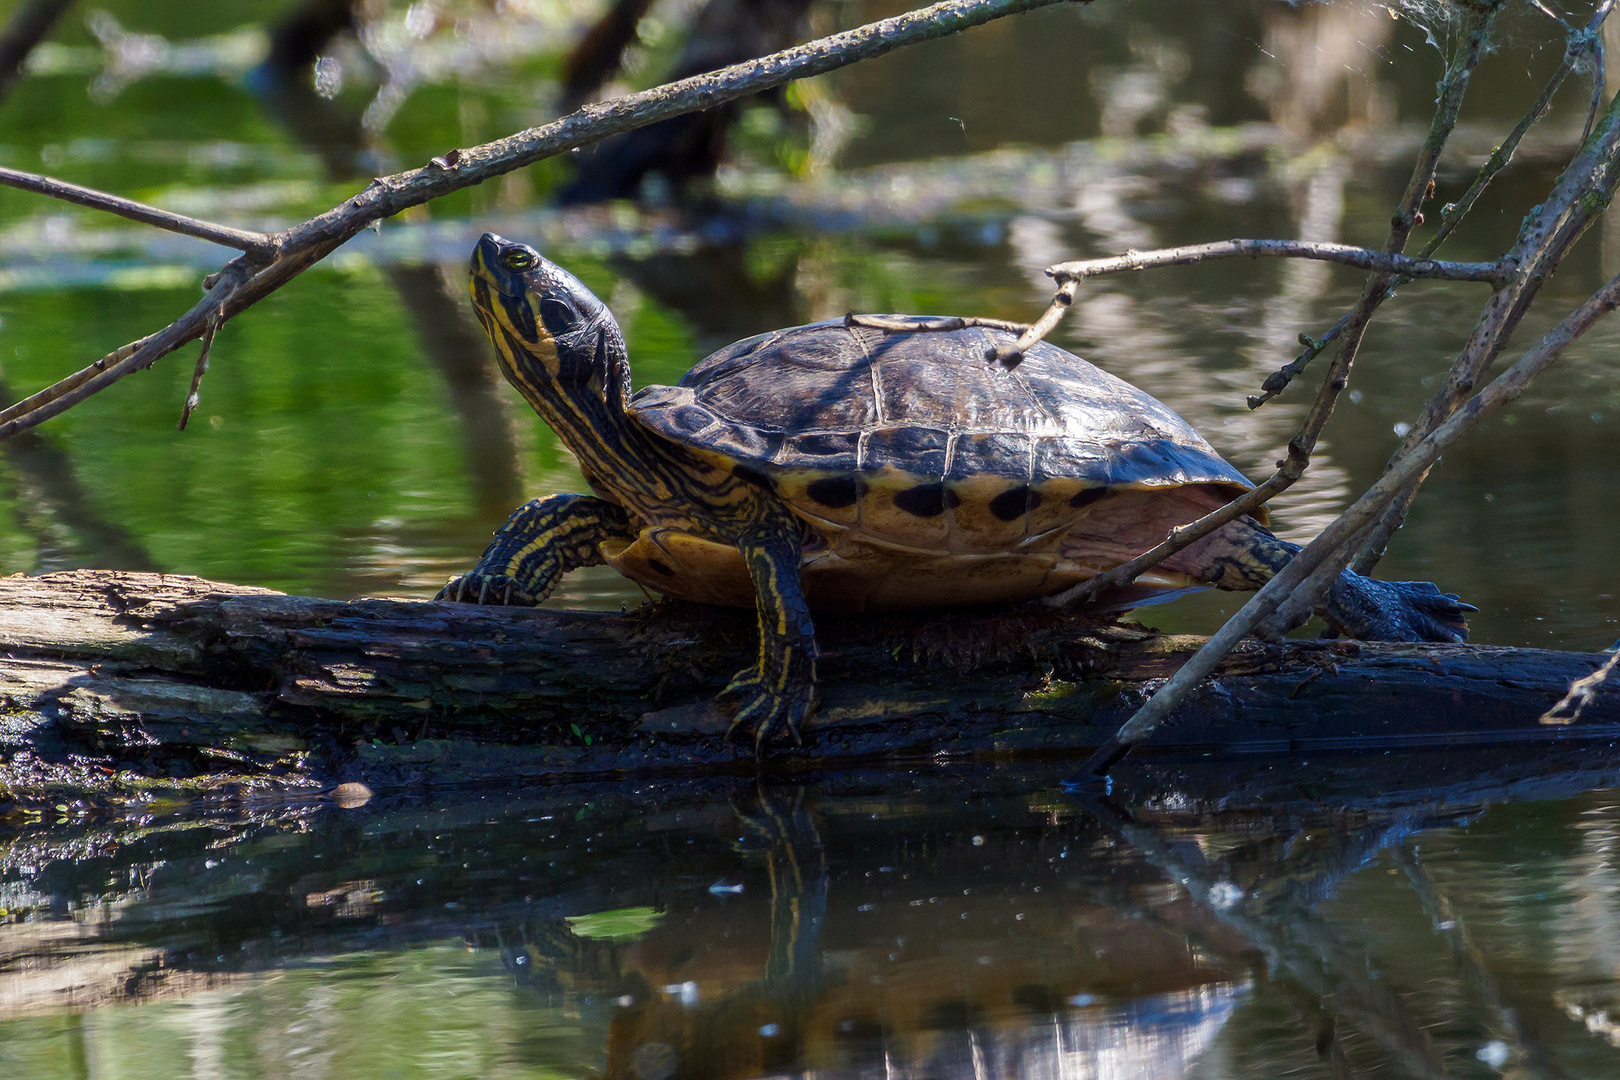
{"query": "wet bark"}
(118, 686)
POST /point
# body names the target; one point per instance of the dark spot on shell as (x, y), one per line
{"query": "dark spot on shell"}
(1088, 496)
(924, 500)
(834, 491)
(753, 476)
(660, 567)
(1013, 503)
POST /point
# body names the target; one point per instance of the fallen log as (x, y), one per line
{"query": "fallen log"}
(120, 688)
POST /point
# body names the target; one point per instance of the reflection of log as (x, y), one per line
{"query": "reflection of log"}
(112, 679)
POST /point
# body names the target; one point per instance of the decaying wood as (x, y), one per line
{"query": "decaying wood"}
(119, 686)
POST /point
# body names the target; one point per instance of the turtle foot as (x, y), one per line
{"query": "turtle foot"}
(764, 705)
(492, 589)
(1375, 610)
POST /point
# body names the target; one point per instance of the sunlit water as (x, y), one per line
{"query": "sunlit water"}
(965, 924)
(353, 439)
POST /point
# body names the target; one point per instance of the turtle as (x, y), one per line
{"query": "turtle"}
(862, 465)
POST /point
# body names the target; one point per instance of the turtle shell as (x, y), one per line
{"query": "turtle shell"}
(915, 440)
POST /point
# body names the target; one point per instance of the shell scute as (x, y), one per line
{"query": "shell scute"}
(995, 453)
(921, 448)
(833, 451)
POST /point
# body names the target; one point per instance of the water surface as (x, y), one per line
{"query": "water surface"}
(1414, 916)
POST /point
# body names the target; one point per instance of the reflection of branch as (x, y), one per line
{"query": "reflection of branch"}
(455, 346)
(1506, 1019)
(305, 244)
(27, 27)
(600, 52)
(1070, 274)
(1292, 938)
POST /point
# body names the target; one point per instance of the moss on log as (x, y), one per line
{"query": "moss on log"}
(126, 688)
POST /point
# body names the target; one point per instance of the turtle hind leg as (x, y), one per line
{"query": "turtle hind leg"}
(780, 690)
(1246, 555)
(1375, 610)
(540, 542)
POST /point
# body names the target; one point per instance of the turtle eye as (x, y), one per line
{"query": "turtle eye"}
(519, 258)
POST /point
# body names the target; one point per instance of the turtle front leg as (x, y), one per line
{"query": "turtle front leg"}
(540, 542)
(781, 688)
(1245, 555)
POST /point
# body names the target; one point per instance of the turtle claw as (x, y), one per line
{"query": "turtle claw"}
(762, 707)
(1376, 610)
(475, 588)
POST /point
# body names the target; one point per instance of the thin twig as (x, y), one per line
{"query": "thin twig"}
(1505, 388)
(1178, 538)
(193, 397)
(258, 245)
(72, 382)
(1551, 14)
(917, 324)
(1012, 354)
(302, 245)
(1582, 692)
(1070, 273)
(1346, 254)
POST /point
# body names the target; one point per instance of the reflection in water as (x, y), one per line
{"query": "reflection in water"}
(951, 924)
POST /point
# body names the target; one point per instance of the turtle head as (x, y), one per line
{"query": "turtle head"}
(552, 334)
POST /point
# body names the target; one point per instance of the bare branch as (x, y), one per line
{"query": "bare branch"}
(260, 246)
(57, 399)
(303, 245)
(1069, 274)
(1181, 537)
(1346, 254)
(1505, 388)
(1012, 354)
